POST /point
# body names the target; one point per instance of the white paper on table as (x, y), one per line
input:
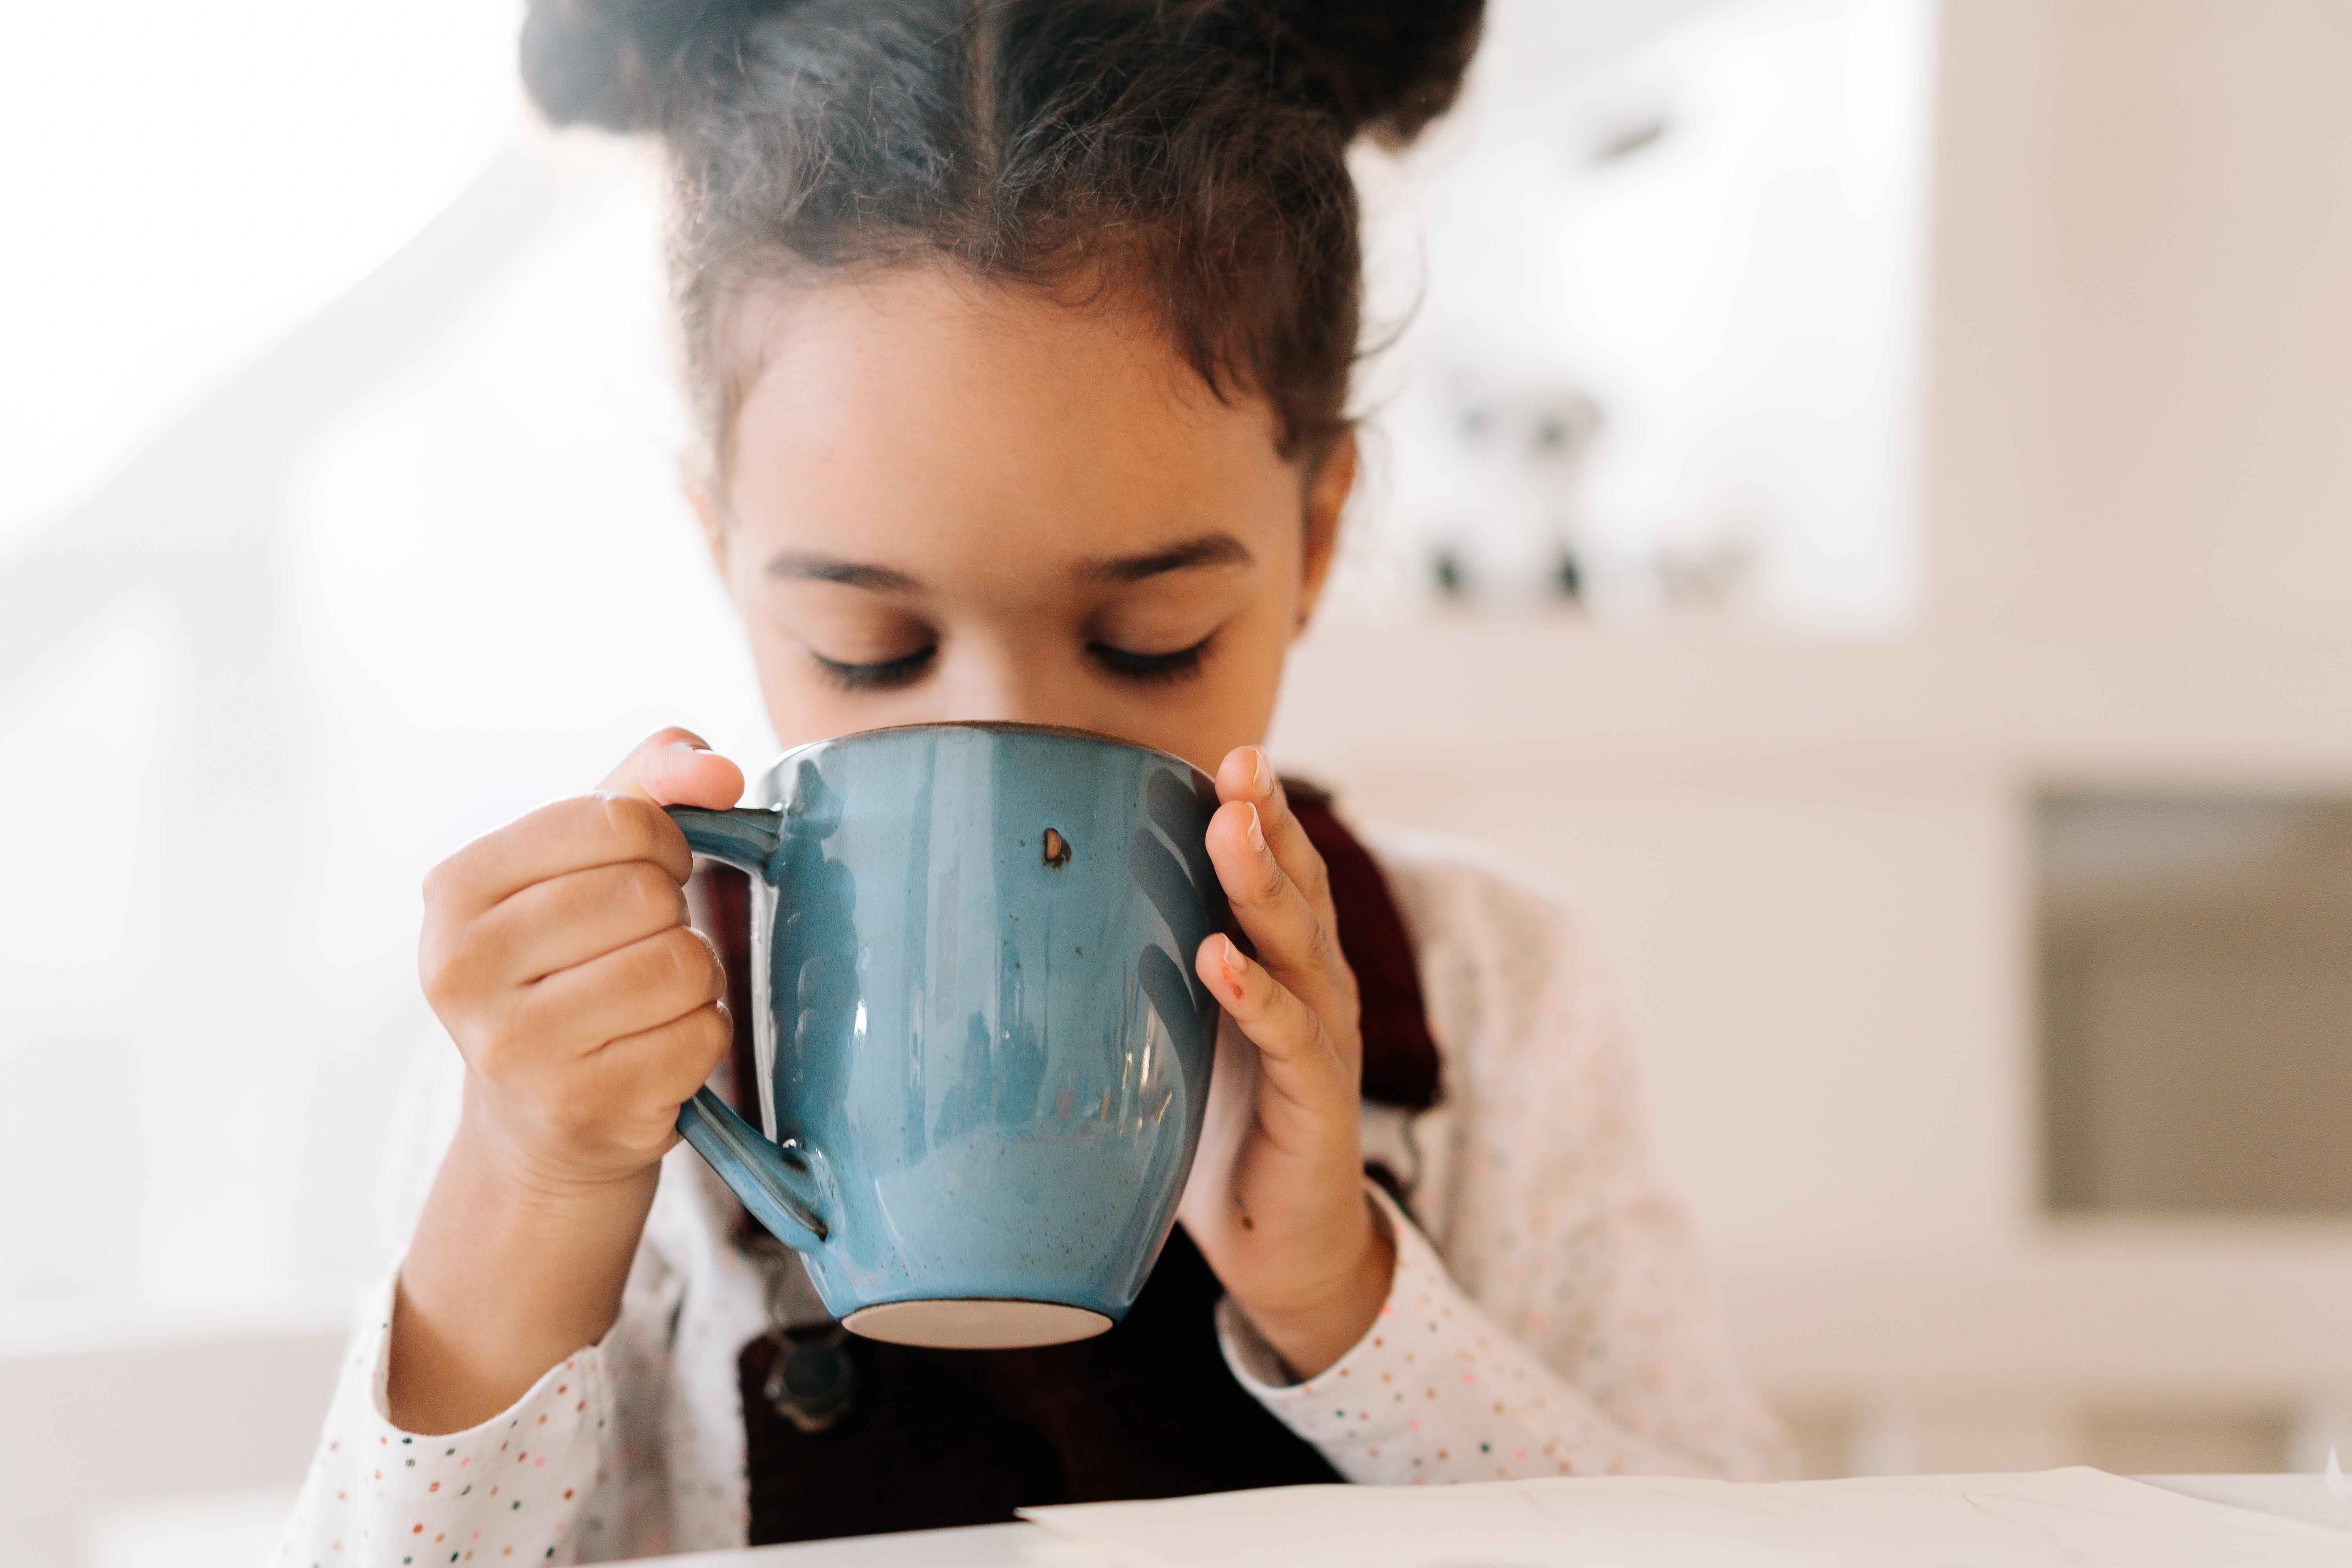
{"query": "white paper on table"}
(2080, 1518)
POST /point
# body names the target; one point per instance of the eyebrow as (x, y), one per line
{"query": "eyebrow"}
(1209, 550)
(849, 574)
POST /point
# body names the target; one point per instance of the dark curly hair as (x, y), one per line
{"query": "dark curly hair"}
(1186, 155)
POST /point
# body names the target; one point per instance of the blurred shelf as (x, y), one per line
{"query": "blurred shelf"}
(1438, 694)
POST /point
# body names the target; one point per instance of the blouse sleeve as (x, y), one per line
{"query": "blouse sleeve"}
(521, 1486)
(629, 1448)
(1436, 1391)
(1554, 1317)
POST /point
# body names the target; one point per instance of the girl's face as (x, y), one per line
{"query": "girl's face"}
(946, 501)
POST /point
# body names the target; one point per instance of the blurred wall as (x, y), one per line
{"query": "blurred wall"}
(359, 607)
(2145, 316)
(1810, 862)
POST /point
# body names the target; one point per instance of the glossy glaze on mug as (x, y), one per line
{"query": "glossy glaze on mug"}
(980, 1039)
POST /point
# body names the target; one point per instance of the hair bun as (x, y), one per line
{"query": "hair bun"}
(619, 64)
(1389, 66)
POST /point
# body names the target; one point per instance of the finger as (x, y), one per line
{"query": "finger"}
(675, 767)
(1290, 935)
(562, 836)
(566, 921)
(665, 1065)
(644, 985)
(627, 1092)
(1247, 775)
(1295, 1050)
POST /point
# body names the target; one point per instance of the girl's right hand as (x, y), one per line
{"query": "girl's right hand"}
(557, 952)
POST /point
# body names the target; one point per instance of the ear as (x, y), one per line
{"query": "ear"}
(1327, 490)
(706, 508)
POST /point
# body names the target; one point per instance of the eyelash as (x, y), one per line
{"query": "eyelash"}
(1152, 668)
(1144, 668)
(895, 672)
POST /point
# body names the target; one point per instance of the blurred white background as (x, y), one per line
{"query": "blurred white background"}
(1939, 407)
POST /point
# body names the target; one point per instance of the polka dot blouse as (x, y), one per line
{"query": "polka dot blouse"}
(1548, 1313)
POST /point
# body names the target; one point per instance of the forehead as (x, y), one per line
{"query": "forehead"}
(917, 400)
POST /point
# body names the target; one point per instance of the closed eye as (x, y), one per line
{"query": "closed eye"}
(1151, 669)
(901, 671)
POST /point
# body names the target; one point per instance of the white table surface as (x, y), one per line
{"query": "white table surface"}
(2291, 1497)
(977, 1546)
(1027, 1546)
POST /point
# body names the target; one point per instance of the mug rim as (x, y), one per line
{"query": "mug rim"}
(1005, 726)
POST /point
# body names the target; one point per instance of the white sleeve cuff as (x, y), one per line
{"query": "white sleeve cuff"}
(521, 1482)
(1434, 1392)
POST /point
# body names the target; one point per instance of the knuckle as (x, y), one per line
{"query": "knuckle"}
(1265, 882)
(641, 829)
(1323, 950)
(687, 959)
(714, 971)
(449, 967)
(623, 817)
(446, 881)
(651, 893)
(713, 1035)
(433, 964)
(686, 956)
(498, 1053)
(444, 997)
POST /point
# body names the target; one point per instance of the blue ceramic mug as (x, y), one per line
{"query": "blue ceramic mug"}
(984, 1056)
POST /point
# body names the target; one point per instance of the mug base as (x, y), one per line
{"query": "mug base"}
(975, 1325)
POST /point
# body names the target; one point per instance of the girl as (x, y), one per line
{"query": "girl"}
(1020, 333)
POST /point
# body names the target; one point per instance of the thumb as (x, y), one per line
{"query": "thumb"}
(675, 767)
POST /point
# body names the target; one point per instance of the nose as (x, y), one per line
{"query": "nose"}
(1003, 681)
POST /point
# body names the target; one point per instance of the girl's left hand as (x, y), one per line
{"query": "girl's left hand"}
(1276, 1200)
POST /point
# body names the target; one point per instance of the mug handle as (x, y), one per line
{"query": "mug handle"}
(783, 1193)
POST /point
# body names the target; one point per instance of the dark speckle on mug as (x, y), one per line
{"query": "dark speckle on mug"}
(1057, 849)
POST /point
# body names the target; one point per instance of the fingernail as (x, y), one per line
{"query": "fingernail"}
(1261, 772)
(1236, 962)
(1257, 833)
